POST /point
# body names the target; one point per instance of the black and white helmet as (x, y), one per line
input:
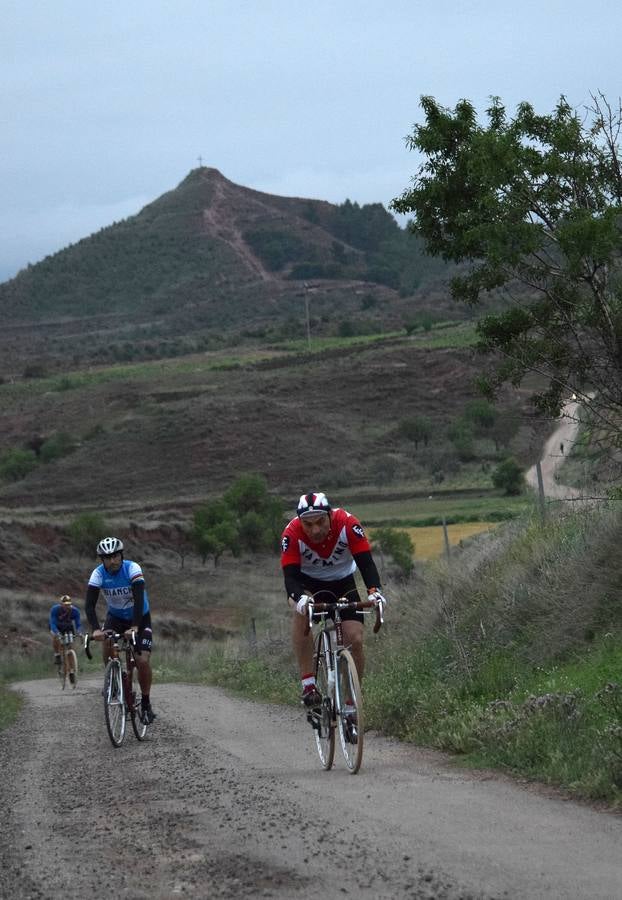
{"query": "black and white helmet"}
(109, 545)
(312, 504)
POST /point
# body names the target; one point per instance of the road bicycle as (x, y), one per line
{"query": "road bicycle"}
(121, 692)
(68, 667)
(337, 682)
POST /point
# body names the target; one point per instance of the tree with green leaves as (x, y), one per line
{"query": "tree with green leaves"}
(214, 530)
(531, 207)
(416, 429)
(462, 436)
(482, 414)
(397, 544)
(245, 518)
(508, 476)
(259, 515)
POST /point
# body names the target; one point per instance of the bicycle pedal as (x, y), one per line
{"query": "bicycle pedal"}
(314, 720)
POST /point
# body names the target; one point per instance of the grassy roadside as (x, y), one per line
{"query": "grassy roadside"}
(10, 705)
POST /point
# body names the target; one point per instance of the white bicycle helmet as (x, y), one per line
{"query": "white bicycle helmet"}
(109, 545)
(312, 504)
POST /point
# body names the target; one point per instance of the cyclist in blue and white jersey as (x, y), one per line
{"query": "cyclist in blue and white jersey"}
(64, 617)
(123, 585)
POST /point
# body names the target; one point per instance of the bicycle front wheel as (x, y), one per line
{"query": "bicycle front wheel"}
(62, 669)
(72, 667)
(350, 711)
(140, 728)
(321, 718)
(114, 703)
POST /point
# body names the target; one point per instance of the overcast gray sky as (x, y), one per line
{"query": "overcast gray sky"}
(107, 104)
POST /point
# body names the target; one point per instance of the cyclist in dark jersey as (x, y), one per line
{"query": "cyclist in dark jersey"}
(123, 585)
(64, 617)
(321, 549)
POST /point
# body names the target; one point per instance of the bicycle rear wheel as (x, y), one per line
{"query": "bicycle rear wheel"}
(140, 728)
(114, 703)
(72, 667)
(350, 712)
(322, 718)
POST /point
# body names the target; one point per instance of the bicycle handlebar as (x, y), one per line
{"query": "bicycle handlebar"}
(343, 603)
(108, 634)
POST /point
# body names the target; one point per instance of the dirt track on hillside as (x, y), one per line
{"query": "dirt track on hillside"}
(557, 446)
(227, 800)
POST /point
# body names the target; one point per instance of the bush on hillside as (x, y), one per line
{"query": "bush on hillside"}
(59, 444)
(508, 476)
(86, 531)
(16, 464)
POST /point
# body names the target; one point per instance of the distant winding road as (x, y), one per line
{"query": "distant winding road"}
(227, 800)
(558, 445)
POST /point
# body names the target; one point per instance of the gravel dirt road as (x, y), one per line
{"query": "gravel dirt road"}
(226, 800)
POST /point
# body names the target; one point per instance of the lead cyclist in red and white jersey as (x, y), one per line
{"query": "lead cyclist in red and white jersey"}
(321, 548)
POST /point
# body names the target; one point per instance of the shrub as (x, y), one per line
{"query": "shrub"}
(85, 532)
(16, 464)
(398, 545)
(60, 444)
(508, 476)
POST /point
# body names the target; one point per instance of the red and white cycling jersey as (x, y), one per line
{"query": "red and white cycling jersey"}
(333, 558)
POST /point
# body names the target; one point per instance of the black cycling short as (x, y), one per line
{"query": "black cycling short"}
(327, 591)
(144, 638)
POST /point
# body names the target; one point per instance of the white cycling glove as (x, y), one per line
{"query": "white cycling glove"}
(301, 605)
(376, 597)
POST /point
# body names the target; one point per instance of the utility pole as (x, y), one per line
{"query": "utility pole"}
(306, 287)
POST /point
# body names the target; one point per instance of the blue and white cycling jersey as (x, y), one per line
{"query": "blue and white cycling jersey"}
(64, 618)
(117, 589)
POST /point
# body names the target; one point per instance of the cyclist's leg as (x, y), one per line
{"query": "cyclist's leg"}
(302, 644)
(352, 623)
(353, 638)
(57, 651)
(111, 624)
(143, 668)
(144, 644)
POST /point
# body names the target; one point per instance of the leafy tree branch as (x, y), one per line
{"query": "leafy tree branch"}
(530, 207)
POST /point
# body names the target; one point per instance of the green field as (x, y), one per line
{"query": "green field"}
(452, 506)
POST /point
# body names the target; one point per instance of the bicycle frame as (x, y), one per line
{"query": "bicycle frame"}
(66, 639)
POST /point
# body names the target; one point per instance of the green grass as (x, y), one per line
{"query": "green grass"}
(145, 371)
(442, 335)
(421, 511)
(454, 337)
(10, 705)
